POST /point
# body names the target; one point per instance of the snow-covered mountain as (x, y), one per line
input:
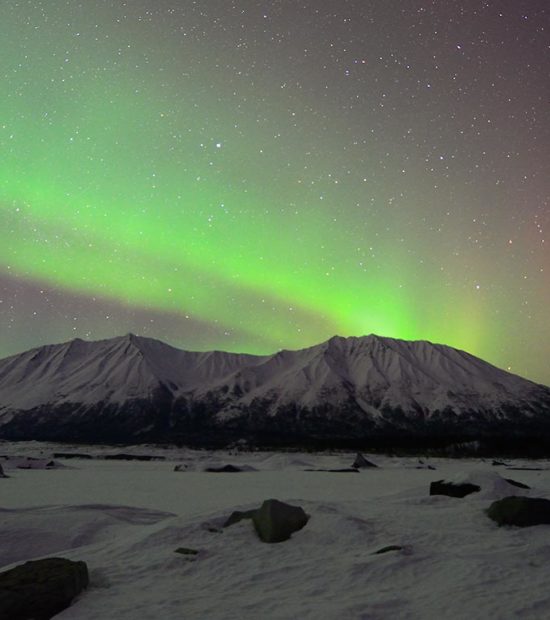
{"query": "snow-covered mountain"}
(131, 388)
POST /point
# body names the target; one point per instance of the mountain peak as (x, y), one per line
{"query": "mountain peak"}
(344, 386)
(351, 342)
(130, 337)
(351, 339)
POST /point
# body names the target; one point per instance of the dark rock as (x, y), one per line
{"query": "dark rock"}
(213, 529)
(275, 521)
(225, 469)
(35, 463)
(40, 589)
(440, 487)
(361, 462)
(422, 465)
(71, 455)
(180, 467)
(388, 548)
(337, 471)
(186, 551)
(2, 474)
(520, 511)
(515, 483)
(239, 515)
(498, 463)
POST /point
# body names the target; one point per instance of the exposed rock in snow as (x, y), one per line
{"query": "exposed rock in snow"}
(71, 455)
(515, 483)
(520, 511)
(229, 469)
(25, 462)
(485, 484)
(186, 551)
(440, 487)
(41, 589)
(276, 521)
(388, 549)
(362, 463)
(343, 470)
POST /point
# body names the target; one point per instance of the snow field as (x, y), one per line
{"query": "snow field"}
(125, 519)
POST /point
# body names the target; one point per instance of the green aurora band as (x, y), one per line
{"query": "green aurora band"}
(134, 170)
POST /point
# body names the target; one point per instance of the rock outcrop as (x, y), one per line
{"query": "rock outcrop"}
(40, 589)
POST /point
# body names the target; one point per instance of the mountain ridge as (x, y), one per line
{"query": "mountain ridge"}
(130, 388)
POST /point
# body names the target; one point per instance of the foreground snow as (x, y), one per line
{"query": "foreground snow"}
(125, 519)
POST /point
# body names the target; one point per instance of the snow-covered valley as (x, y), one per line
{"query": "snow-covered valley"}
(125, 519)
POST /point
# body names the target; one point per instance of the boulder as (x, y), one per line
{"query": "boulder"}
(440, 487)
(40, 589)
(361, 462)
(276, 521)
(520, 511)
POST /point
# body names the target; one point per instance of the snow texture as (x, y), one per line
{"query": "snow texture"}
(126, 519)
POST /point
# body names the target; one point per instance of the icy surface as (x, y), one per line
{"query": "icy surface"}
(125, 519)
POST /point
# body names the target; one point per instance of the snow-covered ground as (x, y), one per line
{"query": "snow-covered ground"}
(126, 518)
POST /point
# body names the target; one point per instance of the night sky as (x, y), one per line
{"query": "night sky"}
(251, 176)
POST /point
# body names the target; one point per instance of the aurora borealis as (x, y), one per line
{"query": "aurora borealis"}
(251, 176)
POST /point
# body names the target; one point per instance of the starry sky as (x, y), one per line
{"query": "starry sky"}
(251, 176)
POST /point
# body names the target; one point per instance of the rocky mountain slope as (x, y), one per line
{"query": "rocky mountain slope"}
(131, 388)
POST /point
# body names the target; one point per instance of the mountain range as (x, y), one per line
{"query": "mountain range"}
(357, 389)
